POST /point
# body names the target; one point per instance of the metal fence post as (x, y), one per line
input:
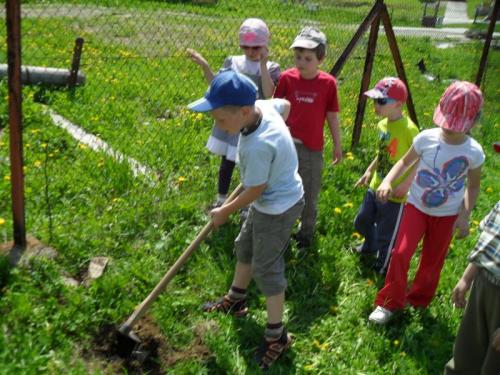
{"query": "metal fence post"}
(13, 13)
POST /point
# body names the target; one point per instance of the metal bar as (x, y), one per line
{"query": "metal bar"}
(365, 82)
(13, 13)
(75, 65)
(487, 43)
(393, 45)
(357, 36)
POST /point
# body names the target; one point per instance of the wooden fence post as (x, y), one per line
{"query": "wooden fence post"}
(365, 82)
(13, 15)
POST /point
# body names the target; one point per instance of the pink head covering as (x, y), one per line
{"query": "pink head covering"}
(254, 33)
(459, 107)
(389, 87)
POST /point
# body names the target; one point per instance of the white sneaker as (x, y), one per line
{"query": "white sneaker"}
(380, 315)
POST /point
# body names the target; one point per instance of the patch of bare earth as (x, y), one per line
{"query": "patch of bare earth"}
(106, 353)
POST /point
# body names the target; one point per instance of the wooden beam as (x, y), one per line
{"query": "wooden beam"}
(365, 82)
(487, 43)
(13, 15)
(374, 12)
(393, 45)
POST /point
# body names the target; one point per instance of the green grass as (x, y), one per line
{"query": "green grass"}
(135, 72)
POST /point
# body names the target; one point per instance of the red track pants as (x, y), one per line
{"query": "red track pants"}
(437, 233)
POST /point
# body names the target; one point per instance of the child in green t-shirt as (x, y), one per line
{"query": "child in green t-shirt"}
(376, 221)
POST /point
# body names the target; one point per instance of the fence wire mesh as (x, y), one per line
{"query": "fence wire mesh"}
(121, 156)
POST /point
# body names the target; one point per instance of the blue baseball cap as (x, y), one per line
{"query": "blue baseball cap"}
(227, 88)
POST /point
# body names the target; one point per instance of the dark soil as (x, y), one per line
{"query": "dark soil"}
(153, 356)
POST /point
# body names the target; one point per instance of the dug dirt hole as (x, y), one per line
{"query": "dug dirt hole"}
(154, 354)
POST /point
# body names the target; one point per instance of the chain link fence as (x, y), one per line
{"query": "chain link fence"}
(121, 157)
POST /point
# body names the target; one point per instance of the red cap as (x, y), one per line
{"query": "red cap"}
(459, 107)
(389, 87)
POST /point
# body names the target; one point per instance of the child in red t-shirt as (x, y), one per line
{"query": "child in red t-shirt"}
(313, 96)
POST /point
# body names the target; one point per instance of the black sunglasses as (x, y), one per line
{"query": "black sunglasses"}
(251, 47)
(384, 101)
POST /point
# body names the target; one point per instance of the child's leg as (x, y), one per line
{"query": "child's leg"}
(275, 305)
(387, 223)
(435, 247)
(310, 167)
(413, 226)
(225, 172)
(364, 222)
(473, 352)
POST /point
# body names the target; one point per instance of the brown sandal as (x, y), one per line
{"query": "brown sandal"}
(270, 351)
(227, 306)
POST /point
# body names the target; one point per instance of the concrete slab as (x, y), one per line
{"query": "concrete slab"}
(456, 13)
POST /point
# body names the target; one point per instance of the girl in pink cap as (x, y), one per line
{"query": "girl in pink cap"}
(440, 202)
(254, 40)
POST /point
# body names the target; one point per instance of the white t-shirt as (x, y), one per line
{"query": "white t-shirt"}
(268, 156)
(439, 186)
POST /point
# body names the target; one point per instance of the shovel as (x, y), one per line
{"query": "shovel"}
(127, 339)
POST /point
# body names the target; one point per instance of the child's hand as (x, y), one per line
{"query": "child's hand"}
(384, 191)
(364, 180)
(400, 191)
(461, 226)
(496, 340)
(458, 295)
(196, 57)
(337, 156)
(219, 216)
(264, 55)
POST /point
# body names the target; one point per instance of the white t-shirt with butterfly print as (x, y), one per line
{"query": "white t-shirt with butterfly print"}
(439, 185)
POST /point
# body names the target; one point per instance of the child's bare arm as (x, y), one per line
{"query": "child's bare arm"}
(470, 197)
(267, 82)
(286, 109)
(367, 176)
(384, 191)
(221, 214)
(402, 189)
(333, 123)
(200, 60)
(463, 286)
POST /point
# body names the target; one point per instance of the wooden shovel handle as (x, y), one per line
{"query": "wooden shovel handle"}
(144, 306)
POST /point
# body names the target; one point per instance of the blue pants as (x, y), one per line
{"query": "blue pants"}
(378, 222)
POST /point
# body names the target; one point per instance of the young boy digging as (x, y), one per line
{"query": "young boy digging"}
(378, 222)
(273, 188)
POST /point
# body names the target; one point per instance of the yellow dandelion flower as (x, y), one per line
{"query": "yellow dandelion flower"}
(348, 205)
(37, 163)
(396, 342)
(199, 116)
(181, 179)
(337, 210)
(475, 222)
(356, 235)
(489, 189)
(82, 146)
(2, 221)
(6, 177)
(309, 368)
(349, 156)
